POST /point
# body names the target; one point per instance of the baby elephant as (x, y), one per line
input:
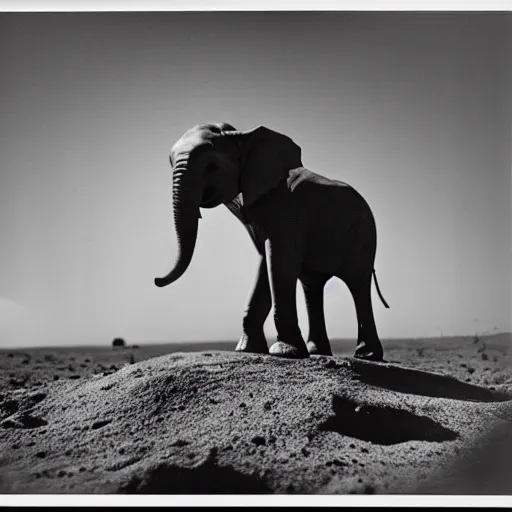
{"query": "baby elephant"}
(304, 226)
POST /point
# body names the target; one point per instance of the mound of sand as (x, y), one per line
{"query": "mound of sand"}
(224, 422)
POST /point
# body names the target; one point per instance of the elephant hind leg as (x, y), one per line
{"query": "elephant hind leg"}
(313, 286)
(368, 346)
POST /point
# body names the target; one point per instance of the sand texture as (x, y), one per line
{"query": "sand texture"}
(435, 418)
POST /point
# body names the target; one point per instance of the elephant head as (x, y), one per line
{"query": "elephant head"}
(214, 163)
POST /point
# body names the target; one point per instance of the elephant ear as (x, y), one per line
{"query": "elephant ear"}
(267, 157)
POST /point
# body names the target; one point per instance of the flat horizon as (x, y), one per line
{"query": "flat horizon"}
(233, 341)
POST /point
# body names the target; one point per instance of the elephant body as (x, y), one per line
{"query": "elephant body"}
(304, 226)
(325, 217)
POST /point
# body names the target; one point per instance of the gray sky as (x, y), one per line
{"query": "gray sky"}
(413, 110)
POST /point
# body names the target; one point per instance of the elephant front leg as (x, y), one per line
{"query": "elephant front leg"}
(256, 312)
(318, 342)
(283, 274)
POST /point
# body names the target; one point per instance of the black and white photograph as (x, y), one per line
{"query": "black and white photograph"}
(255, 252)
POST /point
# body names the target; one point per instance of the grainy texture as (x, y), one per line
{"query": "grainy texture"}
(225, 422)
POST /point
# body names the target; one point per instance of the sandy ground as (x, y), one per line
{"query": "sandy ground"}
(434, 419)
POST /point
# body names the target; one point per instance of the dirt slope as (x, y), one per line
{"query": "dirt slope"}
(223, 422)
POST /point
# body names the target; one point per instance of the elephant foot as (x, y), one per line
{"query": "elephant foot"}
(363, 351)
(252, 345)
(318, 350)
(282, 349)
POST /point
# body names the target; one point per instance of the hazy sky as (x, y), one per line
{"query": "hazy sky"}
(411, 109)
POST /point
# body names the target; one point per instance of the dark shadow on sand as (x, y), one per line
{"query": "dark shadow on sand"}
(383, 424)
(418, 382)
(207, 478)
(486, 469)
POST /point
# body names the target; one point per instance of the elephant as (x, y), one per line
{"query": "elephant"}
(304, 226)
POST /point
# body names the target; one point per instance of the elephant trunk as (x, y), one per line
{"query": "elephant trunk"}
(186, 217)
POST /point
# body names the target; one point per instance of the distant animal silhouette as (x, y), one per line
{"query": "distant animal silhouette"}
(304, 226)
(118, 342)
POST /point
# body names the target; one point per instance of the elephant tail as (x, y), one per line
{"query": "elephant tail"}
(378, 290)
